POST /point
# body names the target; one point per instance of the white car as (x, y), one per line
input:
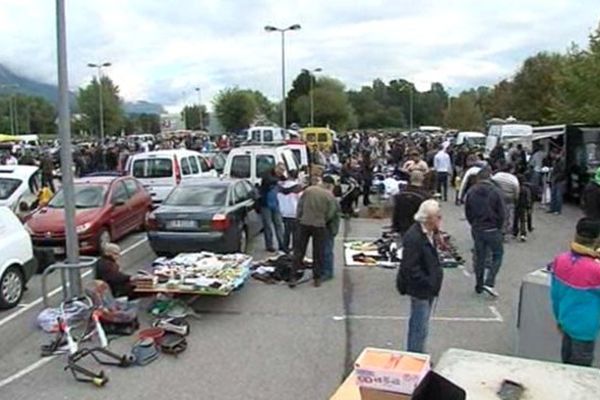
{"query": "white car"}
(19, 183)
(17, 263)
(251, 162)
(160, 171)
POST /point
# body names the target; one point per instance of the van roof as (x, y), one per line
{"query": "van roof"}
(166, 153)
(259, 147)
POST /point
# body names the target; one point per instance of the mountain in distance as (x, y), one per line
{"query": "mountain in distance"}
(32, 87)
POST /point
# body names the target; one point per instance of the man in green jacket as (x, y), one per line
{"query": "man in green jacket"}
(333, 227)
(316, 208)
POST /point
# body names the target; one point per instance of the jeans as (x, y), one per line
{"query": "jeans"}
(489, 241)
(442, 184)
(556, 197)
(328, 256)
(289, 233)
(418, 324)
(304, 233)
(272, 219)
(577, 352)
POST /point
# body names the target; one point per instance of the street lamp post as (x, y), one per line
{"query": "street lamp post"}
(312, 97)
(200, 108)
(411, 103)
(270, 28)
(99, 67)
(12, 107)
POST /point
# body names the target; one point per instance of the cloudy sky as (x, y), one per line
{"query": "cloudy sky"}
(162, 50)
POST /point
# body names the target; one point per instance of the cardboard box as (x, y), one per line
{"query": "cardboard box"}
(391, 371)
(372, 394)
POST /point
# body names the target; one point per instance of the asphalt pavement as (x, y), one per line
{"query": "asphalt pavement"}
(271, 342)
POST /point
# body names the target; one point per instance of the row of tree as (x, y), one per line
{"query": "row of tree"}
(547, 88)
(22, 114)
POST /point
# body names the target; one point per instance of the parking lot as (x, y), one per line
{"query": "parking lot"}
(267, 341)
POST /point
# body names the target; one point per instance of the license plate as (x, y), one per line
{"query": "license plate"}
(58, 250)
(182, 223)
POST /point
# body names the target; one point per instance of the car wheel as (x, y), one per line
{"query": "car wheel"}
(242, 246)
(103, 239)
(12, 285)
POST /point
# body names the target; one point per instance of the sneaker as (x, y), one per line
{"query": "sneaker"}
(490, 290)
(522, 238)
(478, 290)
(317, 282)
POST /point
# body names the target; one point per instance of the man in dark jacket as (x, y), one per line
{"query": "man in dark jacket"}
(407, 202)
(590, 198)
(558, 183)
(269, 208)
(485, 212)
(420, 274)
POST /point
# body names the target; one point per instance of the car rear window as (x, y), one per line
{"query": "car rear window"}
(8, 187)
(240, 167)
(199, 196)
(153, 168)
(323, 137)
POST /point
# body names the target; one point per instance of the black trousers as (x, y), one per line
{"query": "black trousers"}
(522, 222)
(577, 352)
(442, 184)
(48, 180)
(304, 233)
(289, 233)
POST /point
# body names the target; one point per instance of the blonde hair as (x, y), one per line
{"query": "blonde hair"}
(427, 209)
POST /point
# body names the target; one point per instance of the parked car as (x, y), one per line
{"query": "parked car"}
(251, 162)
(205, 214)
(160, 171)
(107, 209)
(19, 183)
(17, 263)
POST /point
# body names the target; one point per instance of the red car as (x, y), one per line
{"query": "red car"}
(107, 208)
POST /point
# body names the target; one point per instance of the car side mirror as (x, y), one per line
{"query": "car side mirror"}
(118, 202)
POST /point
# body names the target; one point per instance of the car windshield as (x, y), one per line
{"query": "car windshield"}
(153, 168)
(86, 196)
(198, 196)
(8, 187)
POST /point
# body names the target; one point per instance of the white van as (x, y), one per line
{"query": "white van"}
(19, 183)
(251, 162)
(266, 134)
(515, 133)
(471, 139)
(17, 263)
(160, 171)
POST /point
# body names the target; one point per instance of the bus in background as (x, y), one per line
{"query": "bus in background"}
(581, 145)
(507, 131)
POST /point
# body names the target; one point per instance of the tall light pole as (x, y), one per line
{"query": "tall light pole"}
(411, 103)
(312, 97)
(198, 90)
(270, 28)
(12, 107)
(99, 67)
(66, 158)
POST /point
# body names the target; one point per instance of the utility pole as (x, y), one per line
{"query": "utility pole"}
(99, 67)
(312, 97)
(270, 28)
(200, 108)
(66, 158)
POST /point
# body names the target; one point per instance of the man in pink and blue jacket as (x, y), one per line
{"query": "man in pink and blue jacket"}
(575, 292)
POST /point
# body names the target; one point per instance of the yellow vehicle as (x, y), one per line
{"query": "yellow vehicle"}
(321, 138)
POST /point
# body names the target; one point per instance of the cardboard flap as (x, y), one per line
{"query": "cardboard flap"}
(436, 387)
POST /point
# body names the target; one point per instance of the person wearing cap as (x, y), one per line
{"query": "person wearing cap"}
(485, 211)
(590, 197)
(575, 294)
(108, 270)
(407, 202)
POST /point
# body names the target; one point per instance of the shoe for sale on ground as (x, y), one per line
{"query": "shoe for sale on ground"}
(317, 282)
(490, 290)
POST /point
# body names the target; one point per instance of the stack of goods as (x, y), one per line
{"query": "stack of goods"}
(201, 273)
(382, 252)
(448, 252)
(277, 269)
(145, 281)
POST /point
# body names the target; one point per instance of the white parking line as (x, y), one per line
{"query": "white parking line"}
(39, 300)
(496, 318)
(39, 363)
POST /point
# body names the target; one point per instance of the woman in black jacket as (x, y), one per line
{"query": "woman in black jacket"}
(420, 275)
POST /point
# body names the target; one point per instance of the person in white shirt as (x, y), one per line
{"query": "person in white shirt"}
(509, 185)
(443, 167)
(289, 192)
(11, 160)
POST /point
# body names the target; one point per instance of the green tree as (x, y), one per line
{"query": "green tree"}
(191, 116)
(33, 114)
(88, 102)
(535, 86)
(235, 108)
(579, 84)
(464, 114)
